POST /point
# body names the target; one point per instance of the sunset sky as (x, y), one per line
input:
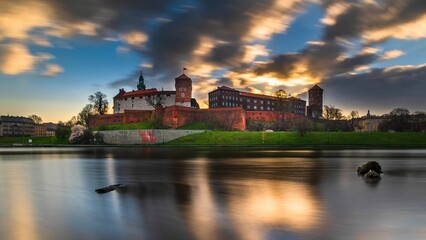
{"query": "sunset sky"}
(366, 54)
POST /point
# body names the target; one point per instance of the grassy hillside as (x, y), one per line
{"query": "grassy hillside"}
(293, 138)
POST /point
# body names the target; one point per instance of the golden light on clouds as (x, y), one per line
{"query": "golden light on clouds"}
(205, 46)
(16, 59)
(275, 20)
(333, 12)
(369, 50)
(19, 19)
(253, 51)
(392, 54)
(411, 30)
(134, 38)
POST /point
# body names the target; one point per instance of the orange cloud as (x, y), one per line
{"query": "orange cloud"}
(392, 54)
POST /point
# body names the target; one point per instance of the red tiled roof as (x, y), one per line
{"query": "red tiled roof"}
(140, 92)
(183, 76)
(316, 87)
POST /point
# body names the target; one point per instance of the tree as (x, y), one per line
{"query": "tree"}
(332, 113)
(354, 114)
(398, 120)
(73, 121)
(36, 119)
(62, 131)
(83, 116)
(99, 102)
(156, 101)
(280, 94)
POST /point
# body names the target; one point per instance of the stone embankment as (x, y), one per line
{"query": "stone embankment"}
(154, 136)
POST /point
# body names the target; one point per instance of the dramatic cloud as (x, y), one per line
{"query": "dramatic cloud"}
(381, 89)
(219, 41)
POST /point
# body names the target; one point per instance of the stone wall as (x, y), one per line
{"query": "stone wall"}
(148, 136)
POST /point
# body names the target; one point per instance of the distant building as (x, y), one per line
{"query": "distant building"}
(314, 109)
(226, 97)
(16, 126)
(369, 123)
(45, 130)
(149, 99)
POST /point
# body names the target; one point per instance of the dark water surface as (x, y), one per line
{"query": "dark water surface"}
(210, 193)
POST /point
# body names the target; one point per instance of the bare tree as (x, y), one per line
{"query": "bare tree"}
(155, 100)
(99, 102)
(332, 113)
(36, 119)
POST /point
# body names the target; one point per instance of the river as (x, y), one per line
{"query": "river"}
(210, 193)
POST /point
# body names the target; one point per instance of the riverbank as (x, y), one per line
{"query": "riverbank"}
(285, 140)
(373, 139)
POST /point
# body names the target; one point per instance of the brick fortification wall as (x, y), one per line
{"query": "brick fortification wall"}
(270, 116)
(129, 116)
(176, 116)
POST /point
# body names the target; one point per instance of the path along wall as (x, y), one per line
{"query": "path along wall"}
(123, 137)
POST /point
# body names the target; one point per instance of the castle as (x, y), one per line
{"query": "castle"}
(150, 99)
(229, 108)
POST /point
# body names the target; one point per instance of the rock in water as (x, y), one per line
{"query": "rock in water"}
(372, 174)
(371, 165)
(109, 188)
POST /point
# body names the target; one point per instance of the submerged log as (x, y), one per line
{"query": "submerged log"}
(109, 188)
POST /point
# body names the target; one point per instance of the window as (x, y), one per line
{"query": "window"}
(182, 94)
(184, 88)
(261, 102)
(255, 107)
(255, 101)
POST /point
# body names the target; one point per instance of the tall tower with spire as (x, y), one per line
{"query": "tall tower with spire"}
(141, 84)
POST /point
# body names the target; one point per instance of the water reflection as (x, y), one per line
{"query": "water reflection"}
(209, 194)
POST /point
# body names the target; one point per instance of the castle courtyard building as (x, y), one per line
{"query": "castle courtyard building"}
(226, 97)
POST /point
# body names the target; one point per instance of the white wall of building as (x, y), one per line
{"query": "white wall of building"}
(140, 103)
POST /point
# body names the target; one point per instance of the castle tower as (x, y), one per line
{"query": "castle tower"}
(314, 108)
(183, 85)
(141, 84)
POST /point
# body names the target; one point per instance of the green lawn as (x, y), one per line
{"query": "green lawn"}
(35, 140)
(294, 138)
(196, 126)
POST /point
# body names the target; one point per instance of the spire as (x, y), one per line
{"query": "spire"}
(141, 84)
